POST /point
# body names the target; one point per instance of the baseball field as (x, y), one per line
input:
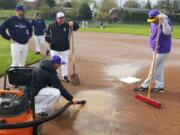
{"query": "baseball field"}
(103, 57)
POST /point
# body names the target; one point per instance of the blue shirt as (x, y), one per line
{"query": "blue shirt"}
(19, 29)
(39, 26)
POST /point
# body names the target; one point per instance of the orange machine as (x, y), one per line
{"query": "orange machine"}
(13, 109)
(17, 107)
(25, 117)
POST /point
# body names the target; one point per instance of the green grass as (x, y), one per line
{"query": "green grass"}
(134, 29)
(8, 13)
(5, 56)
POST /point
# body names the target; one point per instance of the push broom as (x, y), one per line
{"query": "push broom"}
(148, 98)
(74, 77)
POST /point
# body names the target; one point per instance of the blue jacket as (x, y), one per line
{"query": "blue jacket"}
(39, 26)
(19, 29)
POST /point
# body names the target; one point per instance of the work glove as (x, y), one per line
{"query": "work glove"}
(71, 24)
(166, 27)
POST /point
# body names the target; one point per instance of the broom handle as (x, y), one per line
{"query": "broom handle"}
(73, 51)
(154, 59)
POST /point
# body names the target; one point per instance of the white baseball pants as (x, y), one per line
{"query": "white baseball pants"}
(40, 42)
(19, 53)
(158, 72)
(46, 99)
(65, 57)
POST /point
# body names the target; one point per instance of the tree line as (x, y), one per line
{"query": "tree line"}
(90, 9)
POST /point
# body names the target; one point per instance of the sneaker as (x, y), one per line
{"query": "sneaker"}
(161, 90)
(141, 89)
(37, 53)
(66, 79)
(47, 52)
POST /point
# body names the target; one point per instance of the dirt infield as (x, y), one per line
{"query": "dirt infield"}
(112, 109)
(102, 59)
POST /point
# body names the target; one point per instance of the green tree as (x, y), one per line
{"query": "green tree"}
(85, 12)
(51, 3)
(148, 5)
(45, 11)
(74, 12)
(131, 4)
(167, 5)
(104, 7)
(8, 4)
(67, 4)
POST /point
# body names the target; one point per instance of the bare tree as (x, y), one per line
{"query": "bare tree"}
(169, 6)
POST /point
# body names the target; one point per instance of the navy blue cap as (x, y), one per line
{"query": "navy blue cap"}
(20, 8)
(57, 59)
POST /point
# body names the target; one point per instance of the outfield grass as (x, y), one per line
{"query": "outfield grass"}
(8, 13)
(135, 29)
(5, 56)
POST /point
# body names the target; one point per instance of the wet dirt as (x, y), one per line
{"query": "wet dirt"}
(111, 107)
(119, 71)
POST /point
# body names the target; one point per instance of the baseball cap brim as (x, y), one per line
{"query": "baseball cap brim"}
(63, 63)
(150, 20)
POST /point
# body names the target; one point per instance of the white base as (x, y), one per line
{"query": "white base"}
(130, 80)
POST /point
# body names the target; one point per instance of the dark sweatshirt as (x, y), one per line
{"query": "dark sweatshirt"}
(39, 26)
(19, 29)
(46, 76)
(58, 36)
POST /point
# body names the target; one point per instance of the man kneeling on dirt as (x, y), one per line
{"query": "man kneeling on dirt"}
(48, 88)
(164, 48)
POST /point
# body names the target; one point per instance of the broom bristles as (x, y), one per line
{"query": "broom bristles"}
(148, 100)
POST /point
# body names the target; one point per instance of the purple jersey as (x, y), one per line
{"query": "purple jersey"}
(165, 41)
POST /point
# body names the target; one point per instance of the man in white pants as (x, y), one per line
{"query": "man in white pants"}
(48, 87)
(19, 32)
(58, 35)
(164, 48)
(39, 29)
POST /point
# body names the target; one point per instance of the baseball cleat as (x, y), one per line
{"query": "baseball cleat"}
(141, 89)
(161, 90)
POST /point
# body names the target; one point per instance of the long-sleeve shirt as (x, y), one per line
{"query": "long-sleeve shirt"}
(58, 36)
(39, 26)
(46, 76)
(165, 40)
(17, 29)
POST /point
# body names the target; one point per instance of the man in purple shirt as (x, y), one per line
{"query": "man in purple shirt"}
(163, 50)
